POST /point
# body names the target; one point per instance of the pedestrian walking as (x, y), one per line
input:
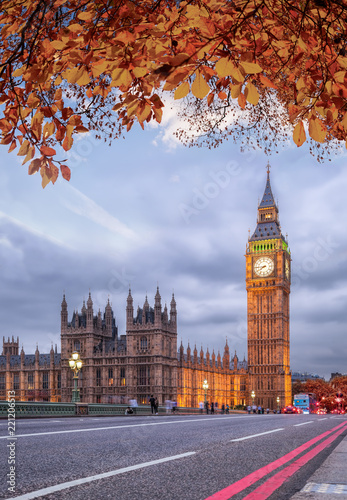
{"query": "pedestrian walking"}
(227, 409)
(212, 408)
(156, 406)
(259, 410)
(201, 406)
(207, 406)
(249, 409)
(223, 408)
(152, 403)
(168, 404)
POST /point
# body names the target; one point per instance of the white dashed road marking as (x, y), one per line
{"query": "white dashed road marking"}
(78, 482)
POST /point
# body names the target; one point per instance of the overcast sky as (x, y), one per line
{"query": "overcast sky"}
(149, 211)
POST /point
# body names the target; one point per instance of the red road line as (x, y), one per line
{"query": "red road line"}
(274, 482)
(252, 478)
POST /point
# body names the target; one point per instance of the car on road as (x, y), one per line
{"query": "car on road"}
(291, 409)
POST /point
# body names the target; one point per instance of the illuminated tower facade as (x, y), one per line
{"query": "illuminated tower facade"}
(268, 287)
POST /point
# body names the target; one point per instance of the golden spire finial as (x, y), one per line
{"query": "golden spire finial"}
(268, 167)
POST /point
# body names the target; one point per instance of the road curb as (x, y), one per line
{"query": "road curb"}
(330, 479)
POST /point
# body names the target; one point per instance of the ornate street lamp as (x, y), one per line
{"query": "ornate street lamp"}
(75, 364)
(205, 387)
(253, 396)
(278, 403)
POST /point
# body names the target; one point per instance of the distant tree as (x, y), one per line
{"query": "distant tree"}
(297, 388)
(319, 387)
(259, 67)
(339, 385)
(328, 403)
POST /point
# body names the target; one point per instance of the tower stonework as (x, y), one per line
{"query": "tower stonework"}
(268, 287)
(152, 350)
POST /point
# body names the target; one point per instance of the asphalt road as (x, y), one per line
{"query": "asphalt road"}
(170, 457)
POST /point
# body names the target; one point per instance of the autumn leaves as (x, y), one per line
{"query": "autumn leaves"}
(67, 69)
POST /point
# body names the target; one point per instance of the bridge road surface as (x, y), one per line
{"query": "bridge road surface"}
(171, 457)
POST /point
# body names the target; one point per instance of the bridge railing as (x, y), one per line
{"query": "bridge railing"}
(31, 409)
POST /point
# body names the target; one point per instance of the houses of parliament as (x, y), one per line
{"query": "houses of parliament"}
(147, 360)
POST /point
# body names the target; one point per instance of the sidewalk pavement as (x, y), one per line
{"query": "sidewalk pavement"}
(330, 480)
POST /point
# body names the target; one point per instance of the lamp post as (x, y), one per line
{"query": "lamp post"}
(205, 387)
(252, 396)
(75, 364)
(278, 404)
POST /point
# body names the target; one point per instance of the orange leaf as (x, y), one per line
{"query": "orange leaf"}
(235, 90)
(48, 129)
(65, 172)
(24, 148)
(241, 100)
(200, 89)
(317, 129)
(143, 113)
(67, 143)
(224, 67)
(121, 76)
(54, 172)
(77, 75)
(46, 176)
(81, 129)
(140, 72)
(299, 135)
(47, 151)
(85, 16)
(344, 121)
(34, 166)
(266, 82)
(60, 133)
(182, 90)
(210, 98)
(30, 154)
(251, 68)
(13, 146)
(251, 93)
(158, 113)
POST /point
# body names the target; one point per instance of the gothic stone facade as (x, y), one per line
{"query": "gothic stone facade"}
(34, 377)
(117, 368)
(145, 360)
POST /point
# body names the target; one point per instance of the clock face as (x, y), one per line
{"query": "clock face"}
(287, 269)
(263, 266)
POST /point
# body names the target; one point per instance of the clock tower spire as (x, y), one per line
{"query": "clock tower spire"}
(268, 288)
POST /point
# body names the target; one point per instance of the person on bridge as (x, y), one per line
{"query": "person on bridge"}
(207, 406)
(212, 408)
(152, 403)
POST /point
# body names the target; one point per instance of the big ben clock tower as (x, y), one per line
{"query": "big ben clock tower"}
(268, 287)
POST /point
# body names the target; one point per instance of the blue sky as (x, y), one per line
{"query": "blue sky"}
(149, 211)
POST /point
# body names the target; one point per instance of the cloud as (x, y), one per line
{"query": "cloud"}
(118, 222)
(82, 205)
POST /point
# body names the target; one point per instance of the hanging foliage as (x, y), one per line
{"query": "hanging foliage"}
(70, 66)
